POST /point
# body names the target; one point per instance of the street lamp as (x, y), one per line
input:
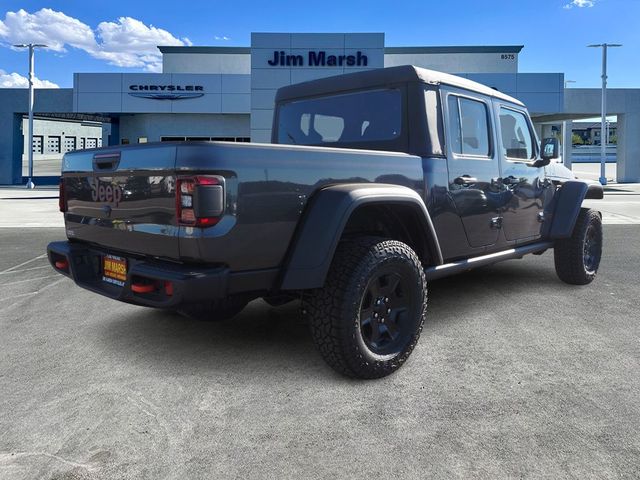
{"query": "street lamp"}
(31, 47)
(603, 127)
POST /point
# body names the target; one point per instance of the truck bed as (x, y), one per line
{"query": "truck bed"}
(124, 198)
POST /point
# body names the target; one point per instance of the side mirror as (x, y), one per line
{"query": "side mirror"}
(550, 149)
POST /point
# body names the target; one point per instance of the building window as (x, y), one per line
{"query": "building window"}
(53, 144)
(91, 142)
(69, 144)
(37, 144)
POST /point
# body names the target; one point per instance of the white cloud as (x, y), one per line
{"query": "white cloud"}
(223, 38)
(47, 26)
(580, 4)
(130, 43)
(127, 42)
(15, 80)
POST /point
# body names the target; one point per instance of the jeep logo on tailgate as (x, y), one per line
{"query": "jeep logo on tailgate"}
(105, 192)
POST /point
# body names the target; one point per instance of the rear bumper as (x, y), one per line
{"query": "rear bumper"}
(173, 284)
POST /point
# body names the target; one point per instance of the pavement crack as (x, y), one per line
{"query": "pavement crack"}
(8, 458)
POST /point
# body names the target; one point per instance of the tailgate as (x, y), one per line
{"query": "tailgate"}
(123, 198)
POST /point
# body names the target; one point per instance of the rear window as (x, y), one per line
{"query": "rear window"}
(361, 117)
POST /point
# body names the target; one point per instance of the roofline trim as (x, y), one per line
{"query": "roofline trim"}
(223, 50)
(456, 49)
(387, 50)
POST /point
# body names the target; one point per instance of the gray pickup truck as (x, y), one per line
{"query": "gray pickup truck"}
(375, 183)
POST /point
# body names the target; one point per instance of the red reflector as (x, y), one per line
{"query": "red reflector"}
(207, 221)
(62, 264)
(168, 288)
(62, 201)
(142, 287)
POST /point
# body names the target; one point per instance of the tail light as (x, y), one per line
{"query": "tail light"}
(62, 264)
(62, 200)
(199, 200)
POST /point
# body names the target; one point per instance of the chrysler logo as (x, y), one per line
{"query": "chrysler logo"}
(167, 96)
(166, 92)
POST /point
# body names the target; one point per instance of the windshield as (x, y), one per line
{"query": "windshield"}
(360, 117)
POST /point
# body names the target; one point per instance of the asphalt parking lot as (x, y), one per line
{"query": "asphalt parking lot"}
(517, 375)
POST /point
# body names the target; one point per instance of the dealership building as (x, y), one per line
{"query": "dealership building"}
(227, 93)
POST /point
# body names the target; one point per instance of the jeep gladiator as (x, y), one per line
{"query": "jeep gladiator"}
(375, 183)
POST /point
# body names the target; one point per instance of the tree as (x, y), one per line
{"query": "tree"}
(576, 139)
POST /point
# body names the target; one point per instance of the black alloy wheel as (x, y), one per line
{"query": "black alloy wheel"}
(367, 318)
(387, 306)
(592, 249)
(577, 258)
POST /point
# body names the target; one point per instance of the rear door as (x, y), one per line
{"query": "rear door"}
(524, 185)
(473, 165)
(123, 199)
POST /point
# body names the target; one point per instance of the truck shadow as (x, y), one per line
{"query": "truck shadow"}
(267, 339)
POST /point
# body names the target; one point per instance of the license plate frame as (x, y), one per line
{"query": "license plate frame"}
(114, 270)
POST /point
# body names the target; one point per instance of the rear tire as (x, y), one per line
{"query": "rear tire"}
(577, 258)
(367, 318)
(214, 310)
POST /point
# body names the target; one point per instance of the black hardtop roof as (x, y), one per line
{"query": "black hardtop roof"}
(385, 76)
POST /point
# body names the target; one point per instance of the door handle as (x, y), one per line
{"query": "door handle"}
(106, 161)
(465, 180)
(511, 180)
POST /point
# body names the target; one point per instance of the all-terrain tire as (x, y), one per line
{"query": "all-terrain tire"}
(577, 258)
(214, 310)
(369, 277)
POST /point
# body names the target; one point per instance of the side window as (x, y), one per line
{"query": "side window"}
(455, 135)
(468, 127)
(517, 141)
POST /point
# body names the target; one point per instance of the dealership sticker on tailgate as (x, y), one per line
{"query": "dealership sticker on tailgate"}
(114, 270)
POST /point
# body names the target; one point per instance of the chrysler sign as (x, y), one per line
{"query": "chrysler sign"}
(166, 92)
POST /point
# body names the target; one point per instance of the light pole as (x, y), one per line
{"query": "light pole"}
(603, 144)
(566, 145)
(31, 47)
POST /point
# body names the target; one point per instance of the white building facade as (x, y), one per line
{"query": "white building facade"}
(228, 92)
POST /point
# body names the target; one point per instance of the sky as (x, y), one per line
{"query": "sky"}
(121, 36)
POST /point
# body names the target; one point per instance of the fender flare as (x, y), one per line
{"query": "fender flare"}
(567, 204)
(324, 219)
